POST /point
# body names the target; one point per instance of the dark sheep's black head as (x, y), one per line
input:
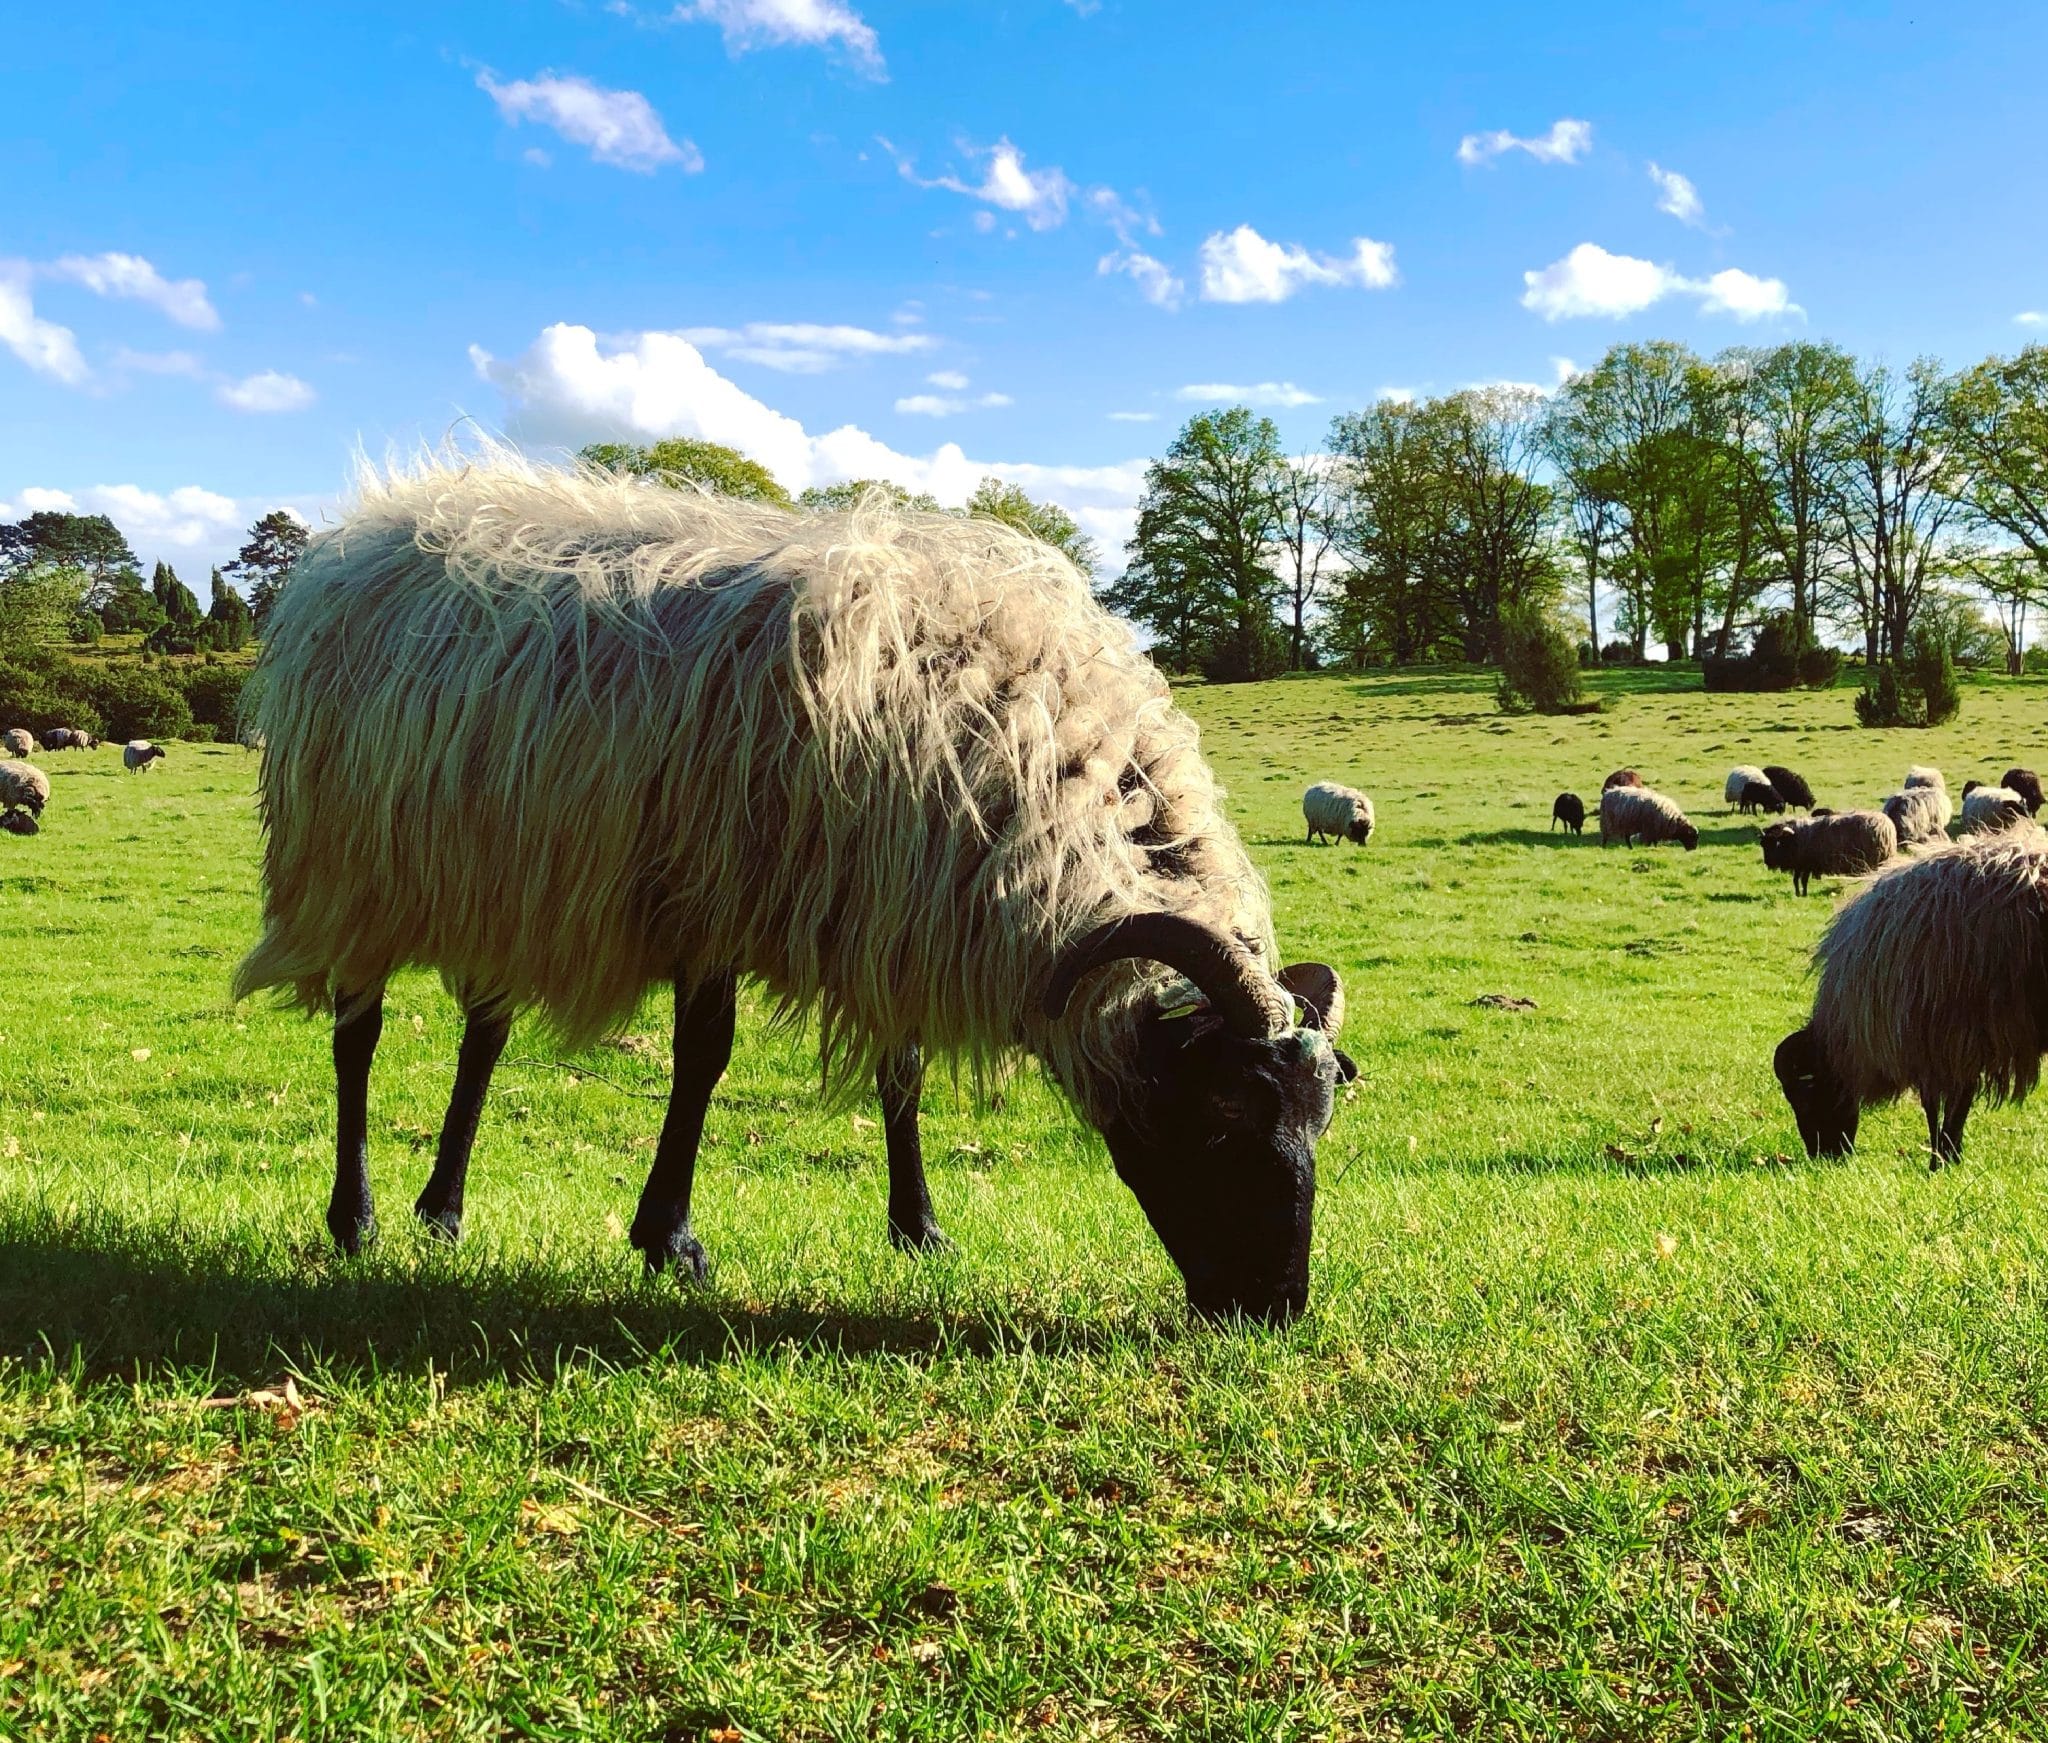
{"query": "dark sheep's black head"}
(1825, 1109)
(1779, 841)
(1217, 1139)
(1358, 830)
(20, 822)
(1763, 798)
(1688, 836)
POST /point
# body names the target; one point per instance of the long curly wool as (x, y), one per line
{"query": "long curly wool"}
(23, 784)
(1641, 813)
(563, 735)
(1931, 977)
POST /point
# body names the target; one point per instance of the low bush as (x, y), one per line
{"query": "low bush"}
(1539, 667)
(214, 694)
(136, 702)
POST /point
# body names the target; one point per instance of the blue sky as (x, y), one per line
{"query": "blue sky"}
(878, 236)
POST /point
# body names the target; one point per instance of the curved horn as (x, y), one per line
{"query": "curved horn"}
(1222, 969)
(1317, 986)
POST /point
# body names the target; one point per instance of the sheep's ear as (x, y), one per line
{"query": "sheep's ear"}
(1347, 1067)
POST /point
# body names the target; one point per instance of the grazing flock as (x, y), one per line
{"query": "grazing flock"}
(1011, 844)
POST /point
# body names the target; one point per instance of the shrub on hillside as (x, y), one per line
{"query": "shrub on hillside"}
(1931, 670)
(1539, 667)
(1245, 655)
(214, 694)
(1819, 667)
(136, 702)
(33, 693)
(2034, 662)
(1620, 653)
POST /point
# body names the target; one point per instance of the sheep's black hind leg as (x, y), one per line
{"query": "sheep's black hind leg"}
(704, 1026)
(1945, 1128)
(358, 1023)
(899, 1081)
(484, 1032)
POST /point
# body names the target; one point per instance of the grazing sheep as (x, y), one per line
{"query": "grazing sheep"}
(138, 753)
(1739, 778)
(23, 787)
(17, 741)
(1009, 840)
(2027, 784)
(1988, 809)
(83, 740)
(19, 823)
(1920, 814)
(1920, 776)
(1340, 813)
(1790, 787)
(1760, 796)
(1622, 778)
(57, 738)
(1570, 810)
(1829, 844)
(1628, 814)
(1931, 979)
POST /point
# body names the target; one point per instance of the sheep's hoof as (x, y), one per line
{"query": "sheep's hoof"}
(445, 1224)
(927, 1237)
(351, 1232)
(676, 1247)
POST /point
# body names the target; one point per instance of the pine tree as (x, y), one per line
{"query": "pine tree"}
(229, 611)
(276, 543)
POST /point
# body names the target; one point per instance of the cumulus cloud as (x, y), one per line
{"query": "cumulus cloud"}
(1283, 394)
(1156, 281)
(570, 387)
(950, 379)
(2032, 318)
(187, 518)
(620, 128)
(269, 390)
(44, 346)
(1677, 196)
(183, 300)
(1241, 266)
(1590, 281)
(1039, 196)
(1566, 142)
(804, 347)
(751, 24)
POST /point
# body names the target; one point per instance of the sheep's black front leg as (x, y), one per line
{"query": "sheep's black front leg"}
(358, 1023)
(899, 1081)
(1945, 1128)
(484, 1032)
(703, 1049)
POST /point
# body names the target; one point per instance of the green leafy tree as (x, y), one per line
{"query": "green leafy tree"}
(1044, 521)
(683, 461)
(1539, 666)
(836, 498)
(1197, 574)
(176, 601)
(265, 562)
(52, 539)
(38, 605)
(230, 615)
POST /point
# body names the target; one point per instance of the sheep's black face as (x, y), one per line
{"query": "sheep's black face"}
(1777, 844)
(1358, 832)
(1220, 1149)
(1827, 1113)
(1689, 837)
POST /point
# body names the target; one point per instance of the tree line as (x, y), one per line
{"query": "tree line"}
(1792, 492)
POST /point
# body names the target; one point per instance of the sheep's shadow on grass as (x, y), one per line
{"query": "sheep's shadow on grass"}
(1522, 838)
(136, 1302)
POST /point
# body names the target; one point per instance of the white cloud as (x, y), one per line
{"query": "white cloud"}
(1085, 8)
(1566, 142)
(804, 347)
(1677, 196)
(931, 405)
(1133, 417)
(268, 390)
(570, 388)
(43, 345)
(1397, 395)
(1564, 369)
(620, 128)
(187, 516)
(1591, 281)
(749, 24)
(1241, 266)
(183, 300)
(1156, 281)
(1039, 196)
(950, 379)
(1283, 394)
(2032, 318)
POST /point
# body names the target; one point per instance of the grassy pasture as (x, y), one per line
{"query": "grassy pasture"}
(1610, 1418)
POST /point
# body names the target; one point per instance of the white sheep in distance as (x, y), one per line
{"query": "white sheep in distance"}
(1008, 838)
(1931, 979)
(1631, 814)
(1988, 809)
(1742, 775)
(18, 741)
(1920, 812)
(138, 753)
(1341, 813)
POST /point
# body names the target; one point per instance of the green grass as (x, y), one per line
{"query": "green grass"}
(1609, 1418)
